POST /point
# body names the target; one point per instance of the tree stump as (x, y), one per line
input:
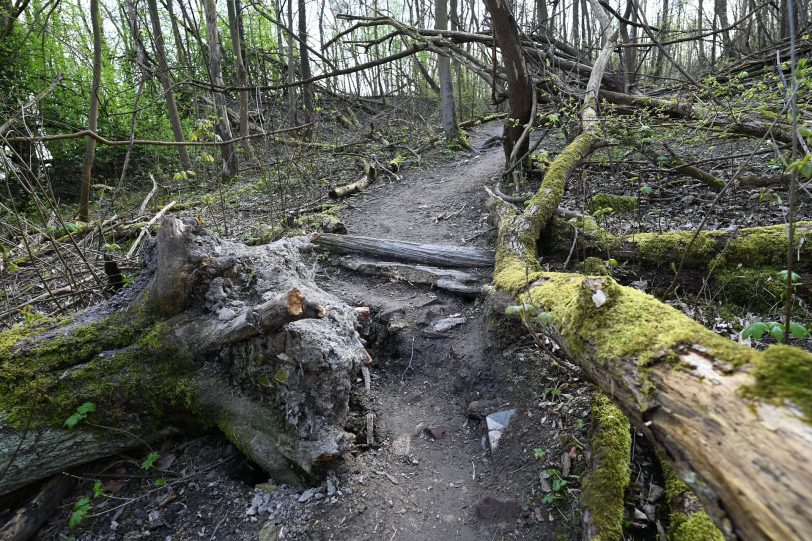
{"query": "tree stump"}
(212, 334)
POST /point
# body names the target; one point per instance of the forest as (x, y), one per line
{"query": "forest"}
(406, 269)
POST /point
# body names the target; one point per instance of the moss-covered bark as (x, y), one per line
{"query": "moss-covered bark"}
(753, 247)
(602, 490)
(688, 519)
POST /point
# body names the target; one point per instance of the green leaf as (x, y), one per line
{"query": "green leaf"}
(539, 453)
(646, 190)
(98, 491)
(777, 331)
(755, 330)
(797, 330)
(80, 414)
(80, 510)
(149, 462)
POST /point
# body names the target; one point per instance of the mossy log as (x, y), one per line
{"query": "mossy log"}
(733, 422)
(751, 247)
(213, 333)
(688, 520)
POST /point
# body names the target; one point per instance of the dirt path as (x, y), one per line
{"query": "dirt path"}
(409, 485)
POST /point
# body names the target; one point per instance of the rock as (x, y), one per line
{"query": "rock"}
(154, 518)
(639, 515)
(269, 532)
(655, 493)
(478, 409)
(331, 487)
(448, 323)
(650, 511)
(435, 432)
(497, 423)
(490, 508)
(307, 495)
(225, 314)
(266, 487)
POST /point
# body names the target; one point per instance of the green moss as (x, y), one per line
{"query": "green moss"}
(603, 489)
(783, 374)
(516, 264)
(124, 364)
(696, 526)
(618, 203)
(630, 324)
(755, 288)
(592, 266)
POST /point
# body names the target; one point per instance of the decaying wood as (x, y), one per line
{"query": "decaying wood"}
(428, 254)
(370, 175)
(28, 519)
(451, 280)
(247, 343)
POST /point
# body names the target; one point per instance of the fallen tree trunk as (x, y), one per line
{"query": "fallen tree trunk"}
(712, 407)
(751, 247)
(451, 280)
(213, 333)
(428, 254)
(370, 175)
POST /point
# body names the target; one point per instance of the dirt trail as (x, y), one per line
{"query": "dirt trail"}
(409, 486)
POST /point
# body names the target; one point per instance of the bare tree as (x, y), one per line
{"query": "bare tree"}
(93, 115)
(223, 127)
(304, 61)
(165, 78)
(449, 112)
(241, 75)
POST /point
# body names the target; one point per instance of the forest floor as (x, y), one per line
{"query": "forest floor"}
(429, 473)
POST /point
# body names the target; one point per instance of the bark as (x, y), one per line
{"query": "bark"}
(223, 126)
(28, 519)
(451, 280)
(241, 75)
(166, 82)
(304, 61)
(449, 112)
(93, 115)
(213, 333)
(707, 404)
(427, 254)
(370, 176)
(520, 89)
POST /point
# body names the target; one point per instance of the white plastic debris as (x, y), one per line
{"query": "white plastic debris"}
(498, 422)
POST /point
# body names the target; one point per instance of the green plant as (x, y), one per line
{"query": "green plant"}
(80, 414)
(150, 461)
(539, 453)
(81, 508)
(775, 329)
(98, 490)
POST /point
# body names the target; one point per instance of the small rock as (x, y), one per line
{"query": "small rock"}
(266, 487)
(307, 495)
(655, 493)
(435, 432)
(448, 323)
(331, 487)
(639, 515)
(154, 518)
(490, 508)
(319, 496)
(478, 409)
(650, 511)
(269, 532)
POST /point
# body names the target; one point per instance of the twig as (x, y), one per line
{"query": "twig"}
(144, 229)
(144, 204)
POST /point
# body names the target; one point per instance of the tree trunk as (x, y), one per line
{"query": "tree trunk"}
(449, 112)
(520, 89)
(93, 115)
(304, 61)
(166, 82)
(214, 333)
(223, 126)
(241, 76)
